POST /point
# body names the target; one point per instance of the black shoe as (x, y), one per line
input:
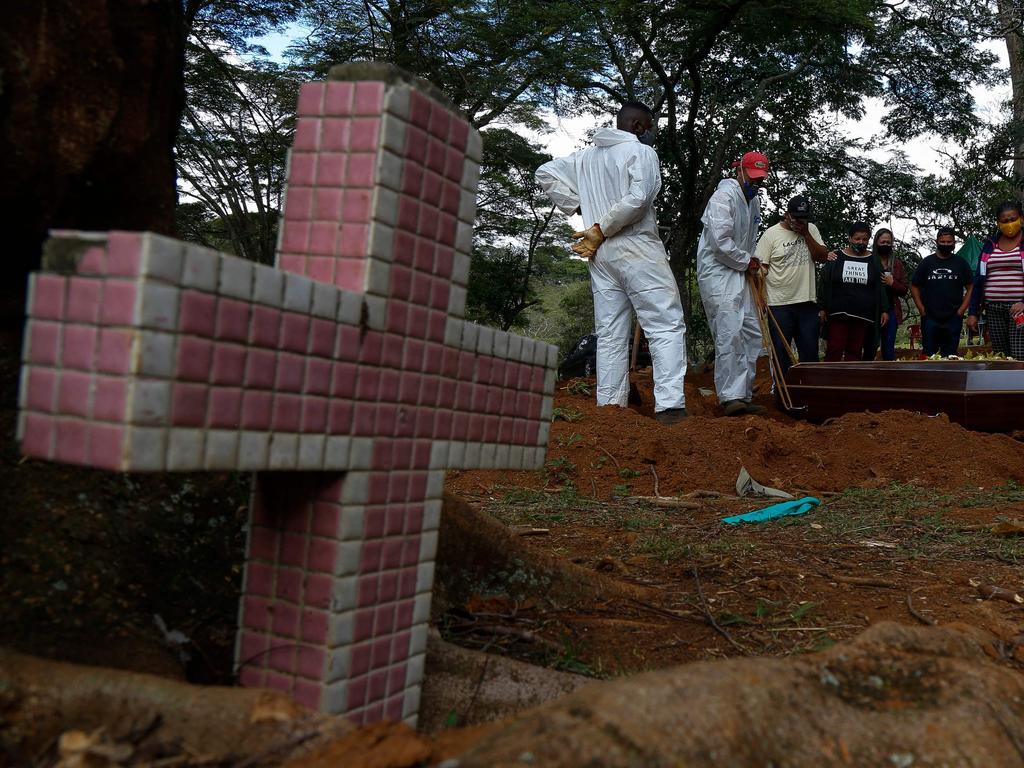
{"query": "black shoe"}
(671, 416)
(735, 408)
(755, 409)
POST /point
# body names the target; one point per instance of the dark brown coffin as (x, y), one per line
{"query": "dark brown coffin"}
(982, 395)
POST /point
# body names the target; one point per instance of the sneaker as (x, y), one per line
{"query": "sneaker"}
(671, 416)
(755, 409)
(734, 408)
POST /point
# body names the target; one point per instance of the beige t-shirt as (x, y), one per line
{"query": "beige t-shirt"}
(790, 278)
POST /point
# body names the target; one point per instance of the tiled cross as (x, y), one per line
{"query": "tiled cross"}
(346, 378)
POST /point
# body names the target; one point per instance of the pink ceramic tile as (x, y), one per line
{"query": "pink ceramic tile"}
(435, 155)
(118, 305)
(378, 684)
(363, 626)
(228, 364)
(396, 677)
(410, 551)
(293, 549)
(259, 579)
(256, 412)
(357, 686)
(314, 626)
(83, 299)
(356, 206)
(289, 585)
(412, 178)
(425, 424)
(327, 203)
(322, 337)
(286, 622)
(420, 460)
(306, 692)
(188, 408)
(311, 97)
(431, 189)
(287, 413)
(402, 458)
(123, 254)
(93, 261)
(454, 160)
(266, 327)
(391, 554)
(445, 257)
(418, 322)
(459, 134)
(322, 268)
(401, 282)
(404, 247)
(446, 229)
(383, 625)
(294, 240)
(115, 351)
(403, 620)
(390, 381)
(326, 519)
(263, 543)
(318, 377)
(322, 555)
(338, 100)
(299, 204)
(74, 394)
(343, 380)
(340, 418)
(195, 358)
(388, 591)
(361, 169)
(330, 169)
(407, 582)
(261, 369)
(256, 613)
(41, 389)
(233, 320)
(425, 253)
(408, 213)
(295, 332)
(44, 342)
(440, 122)
(419, 109)
(365, 134)
(79, 347)
(368, 98)
(366, 585)
(276, 681)
(310, 663)
(197, 313)
(302, 169)
(251, 677)
(307, 134)
(290, 372)
(318, 588)
(39, 434)
(438, 322)
(451, 196)
(394, 708)
(71, 445)
(322, 237)
(336, 135)
(352, 240)
(350, 275)
(410, 389)
(251, 647)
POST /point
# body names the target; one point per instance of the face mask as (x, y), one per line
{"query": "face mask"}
(945, 248)
(859, 247)
(749, 191)
(1010, 228)
(646, 138)
(884, 250)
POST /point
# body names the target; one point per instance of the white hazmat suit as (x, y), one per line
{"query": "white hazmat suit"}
(723, 253)
(614, 184)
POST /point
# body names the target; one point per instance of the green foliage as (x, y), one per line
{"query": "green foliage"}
(559, 470)
(626, 472)
(566, 414)
(579, 387)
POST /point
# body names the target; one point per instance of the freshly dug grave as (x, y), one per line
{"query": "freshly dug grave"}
(895, 695)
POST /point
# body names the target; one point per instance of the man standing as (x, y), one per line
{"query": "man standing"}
(789, 250)
(613, 184)
(724, 255)
(941, 288)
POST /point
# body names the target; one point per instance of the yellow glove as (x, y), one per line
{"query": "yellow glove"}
(588, 241)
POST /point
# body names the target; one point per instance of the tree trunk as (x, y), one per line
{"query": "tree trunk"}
(1014, 44)
(89, 108)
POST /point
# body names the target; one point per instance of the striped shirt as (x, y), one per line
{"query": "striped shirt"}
(1004, 276)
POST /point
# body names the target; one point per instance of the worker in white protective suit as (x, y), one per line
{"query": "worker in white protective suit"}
(724, 255)
(613, 184)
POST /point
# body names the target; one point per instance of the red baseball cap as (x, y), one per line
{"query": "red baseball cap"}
(754, 164)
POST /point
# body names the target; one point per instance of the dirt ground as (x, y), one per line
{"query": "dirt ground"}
(88, 560)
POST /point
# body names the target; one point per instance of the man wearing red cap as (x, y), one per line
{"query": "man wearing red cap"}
(724, 254)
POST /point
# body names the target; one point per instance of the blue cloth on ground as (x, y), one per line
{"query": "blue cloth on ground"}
(794, 507)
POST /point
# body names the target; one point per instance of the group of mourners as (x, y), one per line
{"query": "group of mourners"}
(853, 300)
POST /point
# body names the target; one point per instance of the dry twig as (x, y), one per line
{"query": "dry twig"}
(917, 614)
(862, 581)
(711, 619)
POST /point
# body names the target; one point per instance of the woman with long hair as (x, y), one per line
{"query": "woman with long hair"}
(999, 284)
(894, 276)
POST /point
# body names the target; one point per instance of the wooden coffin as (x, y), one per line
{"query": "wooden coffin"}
(982, 395)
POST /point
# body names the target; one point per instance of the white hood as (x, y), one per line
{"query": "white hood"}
(609, 137)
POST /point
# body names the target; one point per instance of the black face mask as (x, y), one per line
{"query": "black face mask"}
(859, 247)
(884, 250)
(945, 248)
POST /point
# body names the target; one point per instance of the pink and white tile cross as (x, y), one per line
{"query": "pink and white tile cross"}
(346, 377)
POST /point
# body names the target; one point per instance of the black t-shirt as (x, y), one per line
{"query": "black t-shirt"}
(854, 286)
(942, 283)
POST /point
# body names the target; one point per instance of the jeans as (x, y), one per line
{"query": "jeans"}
(888, 341)
(799, 323)
(942, 336)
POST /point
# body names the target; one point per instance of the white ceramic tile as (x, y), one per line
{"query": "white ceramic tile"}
(350, 307)
(298, 292)
(460, 268)
(156, 353)
(464, 238)
(284, 451)
(456, 455)
(346, 558)
(344, 593)
(544, 434)
(389, 170)
(268, 285)
(311, 452)
(467, 207)
(526, 351)
(150, 402)
(474, 145)
(552, 361)
(435, 483)
(470, 332)
(376, 312)
(162, 258)
(428, 546)
(392, 130)
(335, 698)
(471, 177)
(501, 339)
(253, 450)
(540, 353)
(485, 340)
(501, 457)
(338, 662)
(439, 454)
(515, 457)
(221, 450)
(471, 458)
(546, 408)
(411, 706)
(336, 452)
(356, 489)
(185, 450)
(147, 449)
(341, 627)
(415, 674)
(381, 243)
(396, 101)
(158, 306)
(456, 301)
(515, 347)
(432, 514)
(236, 278)
(418, 641)
(487, 454)
(325, 300)
(378, 278)
(352, 522)
(202, 268)
(452, 332)
(385, 206)
(421, 608)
